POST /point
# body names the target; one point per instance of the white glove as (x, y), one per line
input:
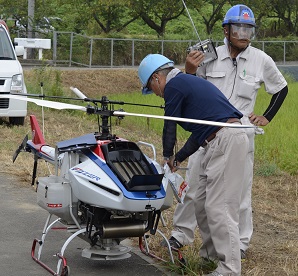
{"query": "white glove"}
(259, 130)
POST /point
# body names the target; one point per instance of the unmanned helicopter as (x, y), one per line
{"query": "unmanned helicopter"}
(104, 189)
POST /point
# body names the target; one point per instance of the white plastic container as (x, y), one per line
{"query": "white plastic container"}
(54, 195)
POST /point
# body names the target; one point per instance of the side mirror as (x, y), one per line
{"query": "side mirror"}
(19, 50)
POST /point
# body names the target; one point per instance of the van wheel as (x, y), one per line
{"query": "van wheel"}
(17, 121)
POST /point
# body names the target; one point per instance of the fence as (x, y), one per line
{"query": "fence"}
(79, 50)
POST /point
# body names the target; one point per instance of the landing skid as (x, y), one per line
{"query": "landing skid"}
(144, 247)
(108, 251)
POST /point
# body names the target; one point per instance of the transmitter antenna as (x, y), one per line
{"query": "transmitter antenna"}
(206, 46)
(193, 24)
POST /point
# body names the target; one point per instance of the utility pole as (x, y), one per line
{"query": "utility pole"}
(30, 34)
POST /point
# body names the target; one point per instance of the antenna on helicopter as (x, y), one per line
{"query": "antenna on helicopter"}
(42, 110)
(78, 93)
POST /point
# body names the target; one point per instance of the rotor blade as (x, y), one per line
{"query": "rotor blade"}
(45, 103)
(42, 96)
(186, 120)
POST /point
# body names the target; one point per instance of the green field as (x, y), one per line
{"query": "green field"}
(278, 147)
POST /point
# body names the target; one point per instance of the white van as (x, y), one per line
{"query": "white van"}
(11, 78)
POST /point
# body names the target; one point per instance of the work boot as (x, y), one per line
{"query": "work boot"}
(243, 255)
(173, 243)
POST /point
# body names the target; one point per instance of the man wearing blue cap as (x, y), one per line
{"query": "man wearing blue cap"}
(224, 151)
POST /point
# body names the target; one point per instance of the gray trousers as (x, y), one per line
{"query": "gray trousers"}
(216, 197)
(184, 221)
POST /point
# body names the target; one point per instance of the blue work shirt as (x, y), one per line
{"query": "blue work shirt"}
(188, 96)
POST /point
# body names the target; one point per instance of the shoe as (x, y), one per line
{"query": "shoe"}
(214, 273)
(243, 254)
(173, 243)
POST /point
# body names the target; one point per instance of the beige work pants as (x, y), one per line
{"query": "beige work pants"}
(218, 197)
(184, 220)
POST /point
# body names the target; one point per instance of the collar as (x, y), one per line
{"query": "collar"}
(243, 54)
(173, 73)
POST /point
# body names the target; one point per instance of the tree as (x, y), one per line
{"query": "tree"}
(211, 12)
(287, 11)
(17, 12)
(109, 15)
(280, 17)
(156, 14)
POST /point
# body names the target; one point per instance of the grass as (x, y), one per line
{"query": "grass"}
(278, 147)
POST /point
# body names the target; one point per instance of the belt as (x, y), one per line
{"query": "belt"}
(213, 135)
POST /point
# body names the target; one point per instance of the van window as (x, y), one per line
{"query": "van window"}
(6, 51)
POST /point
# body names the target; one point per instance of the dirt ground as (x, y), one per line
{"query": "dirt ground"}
(274, 247)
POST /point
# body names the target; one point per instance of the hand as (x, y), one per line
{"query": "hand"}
(173, 164)
(258, 120)
(192, 62)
